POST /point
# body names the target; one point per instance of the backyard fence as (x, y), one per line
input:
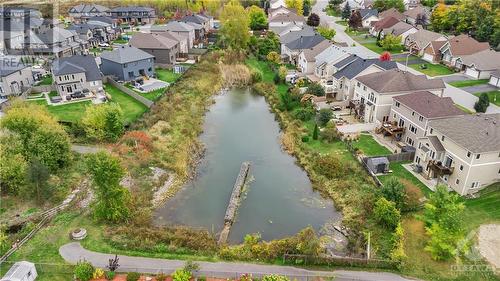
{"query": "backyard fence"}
(43, 88)
(128, 91)
(402, 156)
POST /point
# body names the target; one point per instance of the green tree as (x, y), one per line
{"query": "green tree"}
(443, 219)
(112, 200)
(398, 254)
(390, 42)
(4, 240)
(13, 165)
(386, 213)
(235, 26)
(38, 175)
(308, 242)
(307, 7)
(393, 190)
(104, 122)
(346, 12)
(315, 132)
(304, 113)
(382, 5)
(330, 133)
(40, 134)
(326, 32)
(315, 89)
(258, 19)
(181, 275)
(482, 104)
(334, 4)
(324, 116)
(273, 57)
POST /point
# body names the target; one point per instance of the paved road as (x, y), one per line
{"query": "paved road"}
(458, 96)
(74, 252)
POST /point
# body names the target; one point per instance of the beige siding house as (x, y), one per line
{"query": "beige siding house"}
(462, 152)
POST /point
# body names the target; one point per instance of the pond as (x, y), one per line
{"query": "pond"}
(278, 201)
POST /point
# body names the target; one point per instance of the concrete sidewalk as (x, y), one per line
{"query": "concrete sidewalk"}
(74, 252)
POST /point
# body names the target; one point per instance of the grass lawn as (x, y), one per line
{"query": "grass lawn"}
(377, 49)
(120, 41)
(71, 112)
(333, 12)
(370, 147)
(47, 80)
(491, 96)
(167, 75)
(484, 209)
(432, 69)
(132, 109)
(400, 172)
(467, 83)
(267, 74)
(342, 22)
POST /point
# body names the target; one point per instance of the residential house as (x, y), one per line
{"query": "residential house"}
(416, 42)
(105, 29)
(307, 57)
(412, 113)
(83, 12)
(290, 51)
(432, 52)
(392, 12)
(205, 21)
(480, 65)
(85, 33)
(56, 42)
(76, 74)
(178, 28)
(15, 77)
(200, 36)
(495, 78)
(419, 15)
(127, 63)
(368, 16)
(373, 92)
(382, 24)
(459, 46)
(163, 48)
(16, 23)
(293, 35)
(271, 12)
(346, 70)
(358, 4)
(134, 14)
(462, 152)
(410, 4)
(325, 60)
(285, 19)
(401, 29)
(182, 40)
(275, 4)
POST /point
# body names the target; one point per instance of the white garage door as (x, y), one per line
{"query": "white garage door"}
(471, 72)
(427, 57)
(495, 81)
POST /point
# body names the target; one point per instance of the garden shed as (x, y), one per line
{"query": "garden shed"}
(378, 165)
(21, 271)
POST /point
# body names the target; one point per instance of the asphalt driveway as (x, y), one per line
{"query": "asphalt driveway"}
(480, 88)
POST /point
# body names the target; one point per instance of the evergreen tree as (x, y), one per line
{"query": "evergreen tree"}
(315, 132)
(482, 104)
(346, 12)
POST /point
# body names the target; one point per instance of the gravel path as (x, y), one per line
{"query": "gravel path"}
(74, 252)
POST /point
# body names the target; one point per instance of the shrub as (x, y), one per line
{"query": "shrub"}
(191, 266)
(304, 113)
(330, 133)
(201, 278)
(98, 273)
(256, 76)
(110, 275)
(277, 78)
(275, 277)
(386, 213)
(84, 271)
(133, 276)
(315, 89)
(161, 277)
(104, 122)
(282, 72)
(324, 116)
(482, 104)
(305, 138)
(181, 275)
(393, 190)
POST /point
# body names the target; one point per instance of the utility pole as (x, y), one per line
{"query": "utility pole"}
(368, 247)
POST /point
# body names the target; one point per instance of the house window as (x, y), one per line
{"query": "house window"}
(477, 156)
(442, 138)
(73, 76)
(150, 69)
(457, 181)
(461, 167)
(413, 113)
(364, 88)
(475, 184)
(421, 118)
(468, 153)
(397, 104)
(358, 84)
(430, 131)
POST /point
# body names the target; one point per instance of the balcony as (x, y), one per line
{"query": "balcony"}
(329, 87)
(390, 129)
(438, 169)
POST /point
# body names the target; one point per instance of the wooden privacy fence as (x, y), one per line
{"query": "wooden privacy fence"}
(402, 156)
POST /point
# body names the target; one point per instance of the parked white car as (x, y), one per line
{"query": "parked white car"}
(103, 45)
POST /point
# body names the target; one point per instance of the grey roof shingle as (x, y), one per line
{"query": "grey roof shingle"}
(436, 143)
(128, 9)
(477, 133)
(429, 105)
(294, 35)
(126, 54)
(152, 41)
(8, 69)
(366, 13)
(395, 80)
(305, 42)
(483, 60)
(87, 8)
(176, 26)
(353, 65)
(77, 64)
(423, 37)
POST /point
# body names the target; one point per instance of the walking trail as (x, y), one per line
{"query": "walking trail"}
(74, 252)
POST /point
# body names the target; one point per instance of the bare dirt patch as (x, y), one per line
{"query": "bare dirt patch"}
(489, 243)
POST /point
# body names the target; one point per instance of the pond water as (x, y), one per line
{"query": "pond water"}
(278, 201)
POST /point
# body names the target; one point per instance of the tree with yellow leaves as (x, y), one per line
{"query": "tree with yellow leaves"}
(297, 5)
(234, 32)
